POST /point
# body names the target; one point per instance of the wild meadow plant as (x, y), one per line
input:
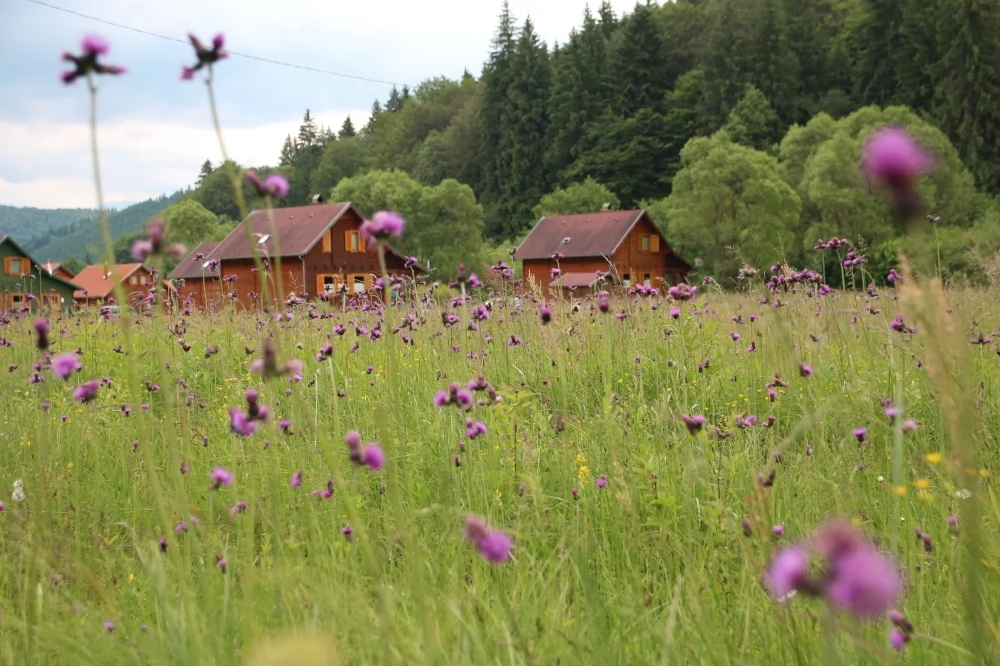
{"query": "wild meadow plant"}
(789, 474)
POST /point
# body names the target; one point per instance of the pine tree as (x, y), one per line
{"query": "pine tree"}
(608, 21)
(373, 118)
(919, 52)
(495, 116)
(287, 152)
(967, 99)
(876, 41)
(727, 61)
(395, 101)
(530, 80)
(347, 129)
(775, 66)
(637, 67)
(308, 133)
(206, 170)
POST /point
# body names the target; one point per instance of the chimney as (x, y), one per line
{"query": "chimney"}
(606, 207)
(317, 198)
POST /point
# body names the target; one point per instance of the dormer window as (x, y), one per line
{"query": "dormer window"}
(565, 241)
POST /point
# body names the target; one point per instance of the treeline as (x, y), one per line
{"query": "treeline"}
(763, 102)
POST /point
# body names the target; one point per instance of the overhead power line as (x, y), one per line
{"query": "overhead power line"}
(231, 52)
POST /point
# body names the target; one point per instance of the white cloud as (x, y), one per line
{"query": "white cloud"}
(49, 166)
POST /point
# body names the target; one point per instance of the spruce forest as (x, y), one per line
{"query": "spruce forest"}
(737, 123)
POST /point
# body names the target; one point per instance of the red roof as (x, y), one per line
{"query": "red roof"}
(298, 229)
(585, 235)
(98, 283)
(192, 267)
(52, 266)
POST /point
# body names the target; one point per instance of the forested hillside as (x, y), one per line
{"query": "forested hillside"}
(82, 238)
(30, 223)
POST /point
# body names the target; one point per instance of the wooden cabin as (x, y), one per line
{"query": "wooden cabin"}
(321, 250)
(574, 252)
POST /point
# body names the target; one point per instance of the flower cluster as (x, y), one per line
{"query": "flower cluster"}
(382, 226)
(371, 456)
(206, 56)
(853, 575)
(494, 546)
(246, 423)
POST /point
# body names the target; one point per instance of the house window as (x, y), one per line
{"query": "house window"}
(16, 265)
(353, 242)
(644, 243)
(15, 300)
(51, 299)
(627, 279)
(647, 279)
(329, 283)
(134, 279)
(143, 280)
(328, 242)
(356, 282)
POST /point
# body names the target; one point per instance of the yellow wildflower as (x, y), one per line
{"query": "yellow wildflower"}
(933, 458)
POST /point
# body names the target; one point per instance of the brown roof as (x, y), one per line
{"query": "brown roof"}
(94, 280)
(298, 229)
(589, 234)
(192, 268)
(576, 280)
(52, 266)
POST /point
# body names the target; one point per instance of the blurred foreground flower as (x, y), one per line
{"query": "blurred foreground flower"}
(494, 546)
(893, 158)
(86, 63)
(206, 56)
(852, 575)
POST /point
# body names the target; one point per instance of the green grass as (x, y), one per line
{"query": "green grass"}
(652, 569)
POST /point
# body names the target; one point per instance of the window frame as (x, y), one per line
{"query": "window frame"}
(645, 243)
(8, 263)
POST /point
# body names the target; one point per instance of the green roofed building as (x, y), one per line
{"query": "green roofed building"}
(23, 281)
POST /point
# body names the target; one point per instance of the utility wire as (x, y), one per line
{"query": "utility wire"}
(234, 53)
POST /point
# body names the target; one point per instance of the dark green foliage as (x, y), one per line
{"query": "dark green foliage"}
(27, 224)
(83, 238)
(753, 122)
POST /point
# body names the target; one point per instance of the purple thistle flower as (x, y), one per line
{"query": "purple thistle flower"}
(238, 508)
(736, 336)
(863, 582)
(860, 434)
(163, 545)
(241, 423)
(347, 532)
(42, 333)
(898, 639)
(65, 365)
(495, 547)
(373, 457)
(274, 185)
(87, 391)
(805, 370)
(297, 479)
(109, 626)
(789, 570)
(674, 313)
(206, 56)
(382, 225)
(602, 481)
(545, 314)
(286, 426)
(221, 477)
(693, 423)
(86, 63)
(778, 530)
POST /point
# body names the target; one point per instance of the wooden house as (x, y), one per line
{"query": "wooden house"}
(96, 284)
(575, 252)
(321, 251)
(23, 282)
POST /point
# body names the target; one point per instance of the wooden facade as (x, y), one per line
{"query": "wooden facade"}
(24, 283)
(337, 259)
(631, 251)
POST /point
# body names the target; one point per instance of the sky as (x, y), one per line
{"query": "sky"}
(156, 130)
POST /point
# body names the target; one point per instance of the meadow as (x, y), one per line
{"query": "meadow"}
(635, 539)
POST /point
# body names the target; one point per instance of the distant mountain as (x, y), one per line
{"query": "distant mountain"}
(82, 237)
(27, 224)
